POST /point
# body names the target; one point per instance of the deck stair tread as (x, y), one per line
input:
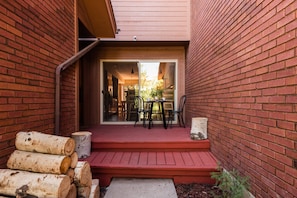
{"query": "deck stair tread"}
(181, 166)
(153, 159)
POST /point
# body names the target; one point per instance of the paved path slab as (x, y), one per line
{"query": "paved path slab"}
(141, 188)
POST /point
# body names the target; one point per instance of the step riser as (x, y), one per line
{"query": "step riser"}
(106, 176)
(151, 146)
(106, 179)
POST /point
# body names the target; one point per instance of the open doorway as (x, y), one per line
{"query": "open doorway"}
(122, 80)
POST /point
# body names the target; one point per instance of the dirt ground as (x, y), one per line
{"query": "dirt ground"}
(196, 191)
(188, 191)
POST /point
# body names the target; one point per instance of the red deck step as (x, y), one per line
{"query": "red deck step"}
(183, 167)
(157, 153)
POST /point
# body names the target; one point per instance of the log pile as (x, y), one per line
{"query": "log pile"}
(46, 166)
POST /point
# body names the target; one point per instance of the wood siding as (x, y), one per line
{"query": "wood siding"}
(152, 20)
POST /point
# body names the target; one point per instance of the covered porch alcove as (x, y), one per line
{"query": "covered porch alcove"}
(122, 150)
(91, 73)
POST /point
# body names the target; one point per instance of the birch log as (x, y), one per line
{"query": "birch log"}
(82, 174)
(83, 143)
(83, 191)
(95, 189)
(70, 174)
(72, 192)
(39, 162)
(40, 185)
(74, 160)
(44, 143)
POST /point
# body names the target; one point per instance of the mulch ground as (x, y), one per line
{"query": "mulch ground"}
(196, 191)
(188, 191)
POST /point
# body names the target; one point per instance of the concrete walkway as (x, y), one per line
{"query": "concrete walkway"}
(141, 188)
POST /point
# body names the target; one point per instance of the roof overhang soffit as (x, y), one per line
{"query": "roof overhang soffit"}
(98, 17)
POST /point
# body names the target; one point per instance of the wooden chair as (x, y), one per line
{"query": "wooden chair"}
(168, 109)
(142, 109)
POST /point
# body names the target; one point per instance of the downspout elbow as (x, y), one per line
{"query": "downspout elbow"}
(59, 70)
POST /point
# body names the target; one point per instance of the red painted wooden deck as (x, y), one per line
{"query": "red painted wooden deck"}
(127, 151)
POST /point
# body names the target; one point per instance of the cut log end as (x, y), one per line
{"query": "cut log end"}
(83, 175)
(95, 189)
(74, 160)
(69, 147)
(72, 192)
(70, 173)
(84, 191)
(65, 165)
(64, 187)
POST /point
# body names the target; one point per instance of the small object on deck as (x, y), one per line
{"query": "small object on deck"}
(83, 143)
(199, 128)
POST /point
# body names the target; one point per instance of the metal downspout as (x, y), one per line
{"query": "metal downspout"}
(59, 69)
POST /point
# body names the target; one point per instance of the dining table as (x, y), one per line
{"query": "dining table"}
(151, 104)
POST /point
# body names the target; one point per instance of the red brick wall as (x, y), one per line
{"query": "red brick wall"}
(241, 73)
(36, 36)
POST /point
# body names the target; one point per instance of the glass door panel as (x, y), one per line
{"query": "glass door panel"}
(123, 80)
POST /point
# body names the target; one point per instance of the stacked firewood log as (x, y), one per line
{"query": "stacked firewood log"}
(46, 166)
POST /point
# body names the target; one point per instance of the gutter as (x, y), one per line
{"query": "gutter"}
(59, 70)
